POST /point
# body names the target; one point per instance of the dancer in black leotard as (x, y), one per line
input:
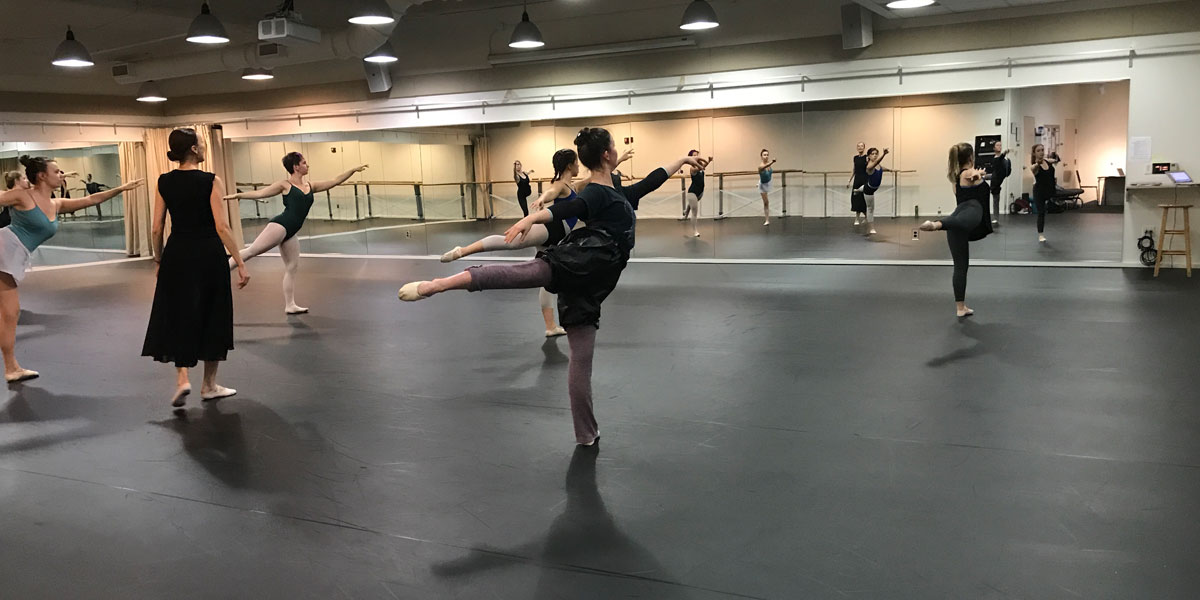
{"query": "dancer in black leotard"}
(583, 269)
(524, 189)
(695, 192)
(969, 222)
(858, 179)
(281, 231)
(1044, 185)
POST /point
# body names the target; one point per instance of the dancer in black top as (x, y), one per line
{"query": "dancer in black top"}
(1001, 169)
(583, 269)
(192, 316)
(524, 190)
(858, 179)
(968, 223)
(1044, 185)
(695, 192)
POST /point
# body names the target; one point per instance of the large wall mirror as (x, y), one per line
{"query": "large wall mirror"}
(89, 235)
(428, 191)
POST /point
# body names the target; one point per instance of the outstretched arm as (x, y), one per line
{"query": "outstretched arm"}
(270, 191)
(221, 219)
(634, 192)
(871, 165)
(322, 186)
(547, 196)
(13, 197)
(69, 205)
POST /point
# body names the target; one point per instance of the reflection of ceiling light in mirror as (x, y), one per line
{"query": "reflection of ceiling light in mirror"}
(909, 3)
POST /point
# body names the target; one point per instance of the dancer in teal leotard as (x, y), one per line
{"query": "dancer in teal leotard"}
(297, 193)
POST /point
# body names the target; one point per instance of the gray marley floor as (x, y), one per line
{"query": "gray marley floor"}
(769, 432)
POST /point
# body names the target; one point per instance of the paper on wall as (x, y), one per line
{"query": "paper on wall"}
(1139, 148)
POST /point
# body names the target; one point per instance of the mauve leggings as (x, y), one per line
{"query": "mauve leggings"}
(581, 338)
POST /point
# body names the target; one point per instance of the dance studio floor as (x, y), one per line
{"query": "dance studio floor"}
(768, 432)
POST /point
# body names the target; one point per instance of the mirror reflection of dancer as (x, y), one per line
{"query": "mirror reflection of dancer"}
(524, 189)
(192, 316)
(1044, 185)
(874, 180)
(766, 173)
(31, 226)
(858, 179)
(695, 192)
(12, 180)
(583, 269)
(1001, 169)
(282, 230)
(561, 189)
(969, 222)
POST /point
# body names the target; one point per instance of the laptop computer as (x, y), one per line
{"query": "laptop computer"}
(1180, 177)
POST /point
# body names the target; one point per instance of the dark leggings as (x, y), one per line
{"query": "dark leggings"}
(581, 338)
(1039, 201)
(995, 204)
(958, 228)
(523, 200)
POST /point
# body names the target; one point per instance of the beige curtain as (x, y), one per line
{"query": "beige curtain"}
(217, 159)
(139, 203)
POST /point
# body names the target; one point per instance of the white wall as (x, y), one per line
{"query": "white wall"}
(1103, 129)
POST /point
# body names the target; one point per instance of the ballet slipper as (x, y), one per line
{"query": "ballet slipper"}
(696, 234)
(22, 375)
(408, 292)
(452, 255)
(557, 331)
(217, 393)
(930, 226)
(180, 397)
(296, 310)
(966, 312)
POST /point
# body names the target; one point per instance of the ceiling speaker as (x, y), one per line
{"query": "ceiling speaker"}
(857, 30)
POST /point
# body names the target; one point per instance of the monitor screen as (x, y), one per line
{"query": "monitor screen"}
(1179, 177)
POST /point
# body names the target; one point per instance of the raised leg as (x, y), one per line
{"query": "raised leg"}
(538, 234)
(272, 235)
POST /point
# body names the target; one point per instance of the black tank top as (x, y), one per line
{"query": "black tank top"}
(980, 193)
(523, 187)
(187, 195)
(1044, 183)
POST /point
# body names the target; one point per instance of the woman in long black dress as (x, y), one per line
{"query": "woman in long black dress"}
(583, 269)
(192, 316)
(969, 222)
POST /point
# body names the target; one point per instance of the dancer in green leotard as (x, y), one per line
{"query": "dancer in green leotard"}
(281, 231)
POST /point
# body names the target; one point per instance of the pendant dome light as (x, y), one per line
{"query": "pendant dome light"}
(149, 92)
(699, 15)
(373, 12)
(526, 34)
(71, 53)
(382, 54)
(257, 74)
(207, 28)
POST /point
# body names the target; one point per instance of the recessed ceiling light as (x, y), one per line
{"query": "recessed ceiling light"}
(909, 3)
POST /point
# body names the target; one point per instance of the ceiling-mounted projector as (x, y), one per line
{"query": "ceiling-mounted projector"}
(286, 31)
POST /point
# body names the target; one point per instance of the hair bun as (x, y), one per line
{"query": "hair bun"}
(584, 135)
(25, 160)
(171, 156)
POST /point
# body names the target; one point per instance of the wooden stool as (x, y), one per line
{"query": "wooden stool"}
(1186, 232)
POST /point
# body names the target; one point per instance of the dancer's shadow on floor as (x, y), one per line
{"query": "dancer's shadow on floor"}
(246, 445)
(583, 540)
(1004, 340)
(72, 417)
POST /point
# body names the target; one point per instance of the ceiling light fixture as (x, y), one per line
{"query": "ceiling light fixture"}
(910, 3)
(71, 53)
(382, 54)
(699, 15)
(257, 74)
(526, 35)
(149, 92)
(373, 12)
(207, 28)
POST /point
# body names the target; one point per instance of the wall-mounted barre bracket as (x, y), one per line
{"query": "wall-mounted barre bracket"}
(1132, 54)
(1008, 62)
(552, 103)
(484, 106)
(804, 80)
(712, 92)
(900, 74)
(629, 98)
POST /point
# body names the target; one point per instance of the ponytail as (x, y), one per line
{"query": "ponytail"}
(960, 154)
